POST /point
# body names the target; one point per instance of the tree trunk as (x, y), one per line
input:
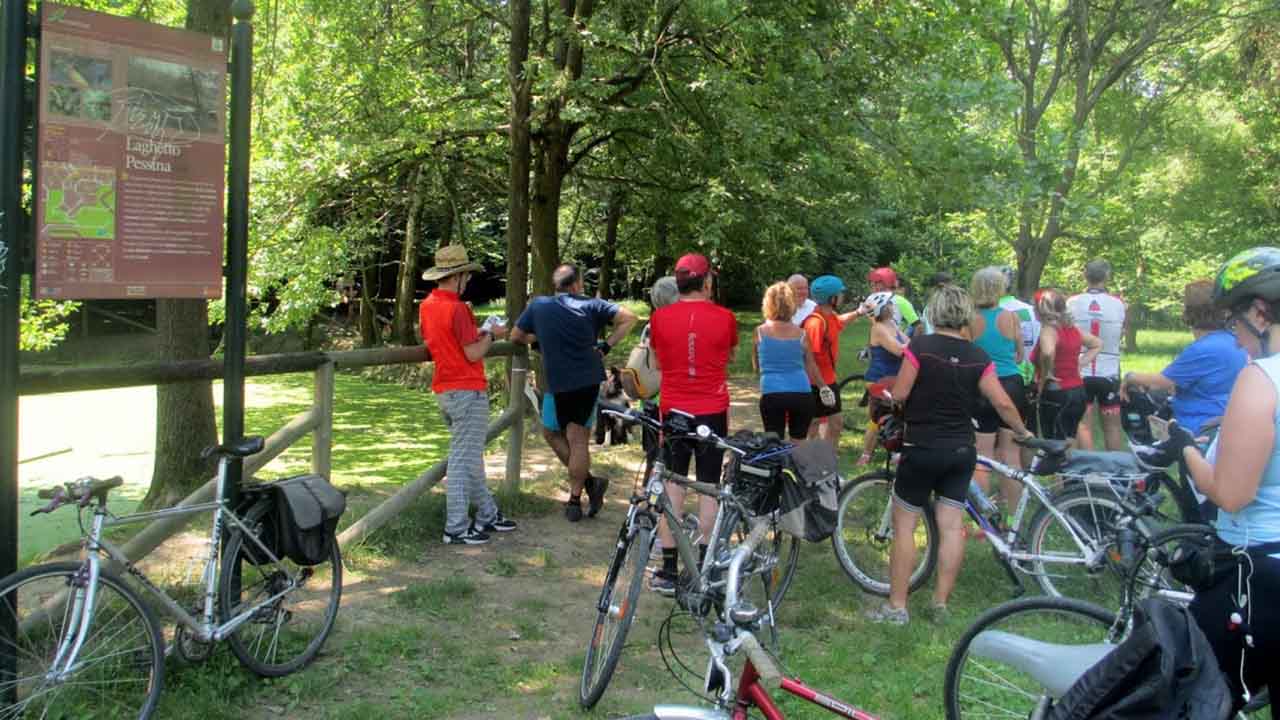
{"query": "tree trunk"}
(518, 189)
(662, 259)
(407, 277)
(185, 422)
(369, 334)
(613, 216)
(549, 169)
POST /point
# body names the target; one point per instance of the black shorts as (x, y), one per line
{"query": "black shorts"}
(820, 410)
(925, 472)
(1212, 608)
(1059, 412)
(1103, 392)
(788, 411)
(576, 406)
(678, 454)
(987, 419)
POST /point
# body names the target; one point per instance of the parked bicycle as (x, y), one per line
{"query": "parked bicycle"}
(770, 571)
(1069, 544)
(734, 633)
(87, 645)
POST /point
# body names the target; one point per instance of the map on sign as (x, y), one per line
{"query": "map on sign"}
(79, 202)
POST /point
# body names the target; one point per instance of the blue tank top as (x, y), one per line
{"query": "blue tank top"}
(1003, 350)
(1259, 521)
(884, 363)
(782, 366)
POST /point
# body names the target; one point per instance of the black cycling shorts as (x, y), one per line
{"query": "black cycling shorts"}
(941, 472)
(1213, 607)
(678, 454)
(1103, 392)
(987, 419)
(576, 406)
(788, 411)
(1058, 413)
(824, 410)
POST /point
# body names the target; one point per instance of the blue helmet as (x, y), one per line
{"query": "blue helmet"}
(825, 287)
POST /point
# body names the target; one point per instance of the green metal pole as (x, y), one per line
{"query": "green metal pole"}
(237, 234)
(13, 70)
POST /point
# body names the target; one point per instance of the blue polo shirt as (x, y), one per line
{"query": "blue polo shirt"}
(567, 327)
(1204, 373)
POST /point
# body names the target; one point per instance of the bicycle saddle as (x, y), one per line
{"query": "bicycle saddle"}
(1052, 447)
(244, 448)
(1056, 667)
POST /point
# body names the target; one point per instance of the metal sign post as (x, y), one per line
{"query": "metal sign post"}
(13, 70)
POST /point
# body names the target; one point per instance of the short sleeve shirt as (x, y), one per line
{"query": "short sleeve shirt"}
(1203, 375)
(939, 410)
(447, 326)
(824, 337)
(693, 341)
(567, 327)
(1101, 315)
(907, 315)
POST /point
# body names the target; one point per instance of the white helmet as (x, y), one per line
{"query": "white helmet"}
(877, 302)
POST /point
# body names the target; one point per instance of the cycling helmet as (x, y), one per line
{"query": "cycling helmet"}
(877, 302)
(825, 287)
(1254, 273)
(884, 276)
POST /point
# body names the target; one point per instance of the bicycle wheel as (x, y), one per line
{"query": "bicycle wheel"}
(863, 538)
(1062, 569)
(1151, 573)
(615, 610)
(768, 575)
(286, 634)
(981, 687)
(120, 667)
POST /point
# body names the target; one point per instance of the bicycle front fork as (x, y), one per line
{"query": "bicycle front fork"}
(84, 595)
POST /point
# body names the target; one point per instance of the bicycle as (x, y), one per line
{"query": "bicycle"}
(1086, 527)
(616, 605)
(85, 642)
(734, 633)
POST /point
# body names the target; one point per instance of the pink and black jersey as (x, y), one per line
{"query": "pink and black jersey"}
(939, 410)
(1102, 315)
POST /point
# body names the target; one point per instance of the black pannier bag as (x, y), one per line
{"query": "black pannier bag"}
(302, 515)
(808, 503)
(1164, 669)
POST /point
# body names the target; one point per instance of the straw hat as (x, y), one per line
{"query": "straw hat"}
(450, 260)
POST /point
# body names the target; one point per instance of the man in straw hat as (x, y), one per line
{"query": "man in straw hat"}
(458, 348)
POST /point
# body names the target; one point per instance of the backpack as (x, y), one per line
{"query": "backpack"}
(303, 513)
(1164, 669)
(641, 378)
(808, 498)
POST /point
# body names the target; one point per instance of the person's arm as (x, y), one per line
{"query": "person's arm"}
(1150, 381)
(523, 331)
(1048, 347)
(755, 350)
(475, 344)
(852, 315)
(907, 375)
(811, 363)
(1092, 346)
(889, 340)
(1245, 444)
(623, 321)
(1011, 328)
(990, 386)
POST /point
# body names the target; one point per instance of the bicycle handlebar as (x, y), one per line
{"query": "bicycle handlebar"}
(80, 491)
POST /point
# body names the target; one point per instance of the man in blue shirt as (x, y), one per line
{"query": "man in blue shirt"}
(567, 327)
(1201, 376)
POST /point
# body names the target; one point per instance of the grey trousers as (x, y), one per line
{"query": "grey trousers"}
(466, 412)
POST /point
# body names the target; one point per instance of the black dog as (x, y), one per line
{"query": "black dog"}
(609, 429)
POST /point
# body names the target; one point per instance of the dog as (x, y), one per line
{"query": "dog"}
(609, 429)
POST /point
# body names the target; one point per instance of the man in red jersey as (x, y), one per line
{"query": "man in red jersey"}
(693, 339)
(457, 348)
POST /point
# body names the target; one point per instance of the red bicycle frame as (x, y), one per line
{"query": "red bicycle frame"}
(752, 693)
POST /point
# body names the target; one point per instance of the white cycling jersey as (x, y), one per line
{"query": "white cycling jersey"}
(1027, 316)
(1102, 315)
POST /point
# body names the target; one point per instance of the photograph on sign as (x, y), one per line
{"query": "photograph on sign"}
(131, 152)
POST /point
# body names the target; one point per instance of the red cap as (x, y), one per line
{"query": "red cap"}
(884, 276)
(693, 265)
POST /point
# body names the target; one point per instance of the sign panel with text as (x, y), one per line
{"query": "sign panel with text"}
(131, 147)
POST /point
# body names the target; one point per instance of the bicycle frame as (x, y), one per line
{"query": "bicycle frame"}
(752, 693)
(205, 627)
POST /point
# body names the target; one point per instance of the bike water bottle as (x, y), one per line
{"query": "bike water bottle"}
(985, 506)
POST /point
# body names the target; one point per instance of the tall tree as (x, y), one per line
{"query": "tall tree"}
(519, 85)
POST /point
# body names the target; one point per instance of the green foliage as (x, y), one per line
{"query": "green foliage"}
(42, 323)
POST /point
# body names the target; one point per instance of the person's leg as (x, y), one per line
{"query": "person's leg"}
(986, 442)
(578, 438)
(1084, 429)
(800, 415)
(477, 420)
(1112, 430)
(454, 407)
(551, 430)
(773, 415)
(1008, 452)
(951, 483)
(709, 470)
(677, 457)
(869, 442)
(835, 422)
(902, 557)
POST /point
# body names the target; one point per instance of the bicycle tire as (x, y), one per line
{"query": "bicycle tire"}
(1151, 571)
(860, 545)
(296, 608)
(1093, 514)
(784, 551)
(1054, 618)
(629, 563)
(110, 655)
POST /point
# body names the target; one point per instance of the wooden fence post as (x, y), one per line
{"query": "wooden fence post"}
(322, 436)
(515, 436)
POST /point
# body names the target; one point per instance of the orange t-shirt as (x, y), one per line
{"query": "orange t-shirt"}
(447, 326)
(823, 329)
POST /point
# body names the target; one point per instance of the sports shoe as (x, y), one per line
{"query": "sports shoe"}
(887, 614)
(573, 510)
(663, 584)
(938, 612)
(471, 536)
(500, 524)
(596, 487)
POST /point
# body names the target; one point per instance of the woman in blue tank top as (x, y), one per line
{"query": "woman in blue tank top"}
(786, 366)
(999, 333)
(884, 348)
(1244, 481)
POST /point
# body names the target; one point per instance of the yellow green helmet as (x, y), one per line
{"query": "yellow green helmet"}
(1254, 273)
